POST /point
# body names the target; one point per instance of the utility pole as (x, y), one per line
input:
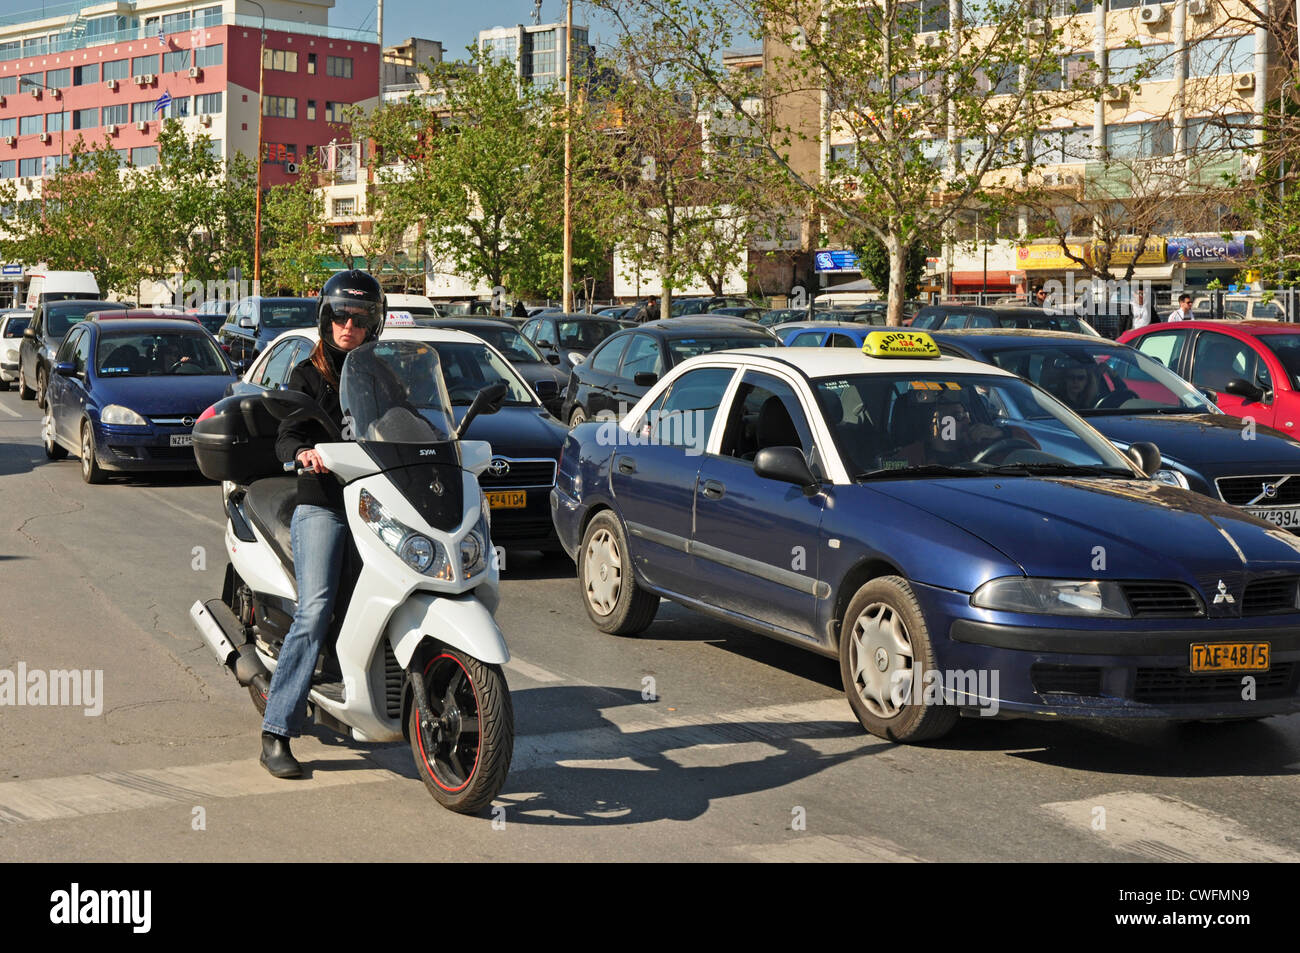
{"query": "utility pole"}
(257, 224)
(568, 156)
(379, 29)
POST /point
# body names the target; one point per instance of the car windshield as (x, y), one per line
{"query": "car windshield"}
(158, 354)
(16, 326)
(469, 367)
(289, 314)
(59, 318)
(585, 335)
(1047, 321)
(393, 391)
(1103, 378)
(510, 343)
(1287, 349)
(892, 426)
(683, 348)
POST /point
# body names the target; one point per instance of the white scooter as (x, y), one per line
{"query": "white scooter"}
(415, 651)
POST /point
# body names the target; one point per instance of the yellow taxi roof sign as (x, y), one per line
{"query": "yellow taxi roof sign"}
(913, 344)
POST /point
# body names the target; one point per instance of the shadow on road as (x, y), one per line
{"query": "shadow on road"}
(523, 564)
(18, 458)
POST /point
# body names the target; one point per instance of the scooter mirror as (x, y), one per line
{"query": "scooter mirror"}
(293, 405)
(486, 401)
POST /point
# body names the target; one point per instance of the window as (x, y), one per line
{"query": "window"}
(179, 108)
(85, 75)
(765, 413)
(1139, 140)
(808, 339)
(311, 110)
(176, 61)
(10, 50)
(142, 65)
(58, 78)
(1056, 146)
(688, 409)
(642, 356)
(1209, 133)
(311, 64)
(285, 107)
(144, 156)
(121, 157)
(925, 16)
(1224, 54)
(142, 112)
(214, 148)
(1218, 358)
(605, 360)
(29, 168)
(176, 22)
(116, 115)
(1131, 65)
(116, 69)
(8, 85)
(344, 207)
(85, 119)
(208, 16)
(208, 55)
(31, 125)
(207, 103)
(31, 81)
(340, 66)
(8, 168)
(8, 127)
(54, 122)
(334, 112)
(284, 60)
(33, 43)
(55, 163)
(1164, 346)
(278, 364)
(280, 152)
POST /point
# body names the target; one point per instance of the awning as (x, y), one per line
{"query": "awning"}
(1000, 279)
(1163, 272)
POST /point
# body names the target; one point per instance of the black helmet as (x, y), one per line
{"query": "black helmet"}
(355, 295)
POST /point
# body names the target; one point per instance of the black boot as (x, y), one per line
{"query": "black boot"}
(277, 758)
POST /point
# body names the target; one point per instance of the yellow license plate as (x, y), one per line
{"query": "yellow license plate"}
(508, 500)
(1230, 656)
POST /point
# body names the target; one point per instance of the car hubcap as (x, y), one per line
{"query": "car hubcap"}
(882, 661)
(47, 430)
(604, 572)
(86, 451)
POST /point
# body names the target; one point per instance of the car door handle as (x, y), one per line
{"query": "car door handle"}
(626, 465)
(714, 490)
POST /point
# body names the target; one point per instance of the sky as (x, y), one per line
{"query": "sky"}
(455, 22)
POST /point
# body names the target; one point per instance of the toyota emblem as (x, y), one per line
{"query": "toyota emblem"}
(1270, 490)
(498, 466)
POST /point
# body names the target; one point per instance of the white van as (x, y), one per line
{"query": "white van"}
(418, 305)
(61, 286)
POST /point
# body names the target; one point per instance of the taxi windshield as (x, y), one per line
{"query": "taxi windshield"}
(908, 425)
(393, 391)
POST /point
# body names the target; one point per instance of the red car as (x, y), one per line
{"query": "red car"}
(1253, 367)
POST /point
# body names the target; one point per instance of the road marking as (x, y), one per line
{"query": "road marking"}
(180, 509)
(1167, 829)
(11, 413)
(534, 672)
(47, 799)
(831, 849)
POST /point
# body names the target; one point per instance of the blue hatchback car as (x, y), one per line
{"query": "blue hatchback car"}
(955, 536)
(124, 394)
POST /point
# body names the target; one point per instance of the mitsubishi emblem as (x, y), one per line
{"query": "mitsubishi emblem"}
(1223, 595)
(498, 467)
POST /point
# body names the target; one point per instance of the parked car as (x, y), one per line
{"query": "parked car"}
(212, 314)
(1239, 308)
(571, 336)
(749, 312)
(1039, 319)
(1253, 367)
(13, 322)
(824, 334)
(628, 364)
(525, 438)
(418, 306)
(1132, 398)
(542, 373)
(779, 316)
(124, 395)
(50, 323)
(617, 312)
(254, 323)
(681, 307)
(934, 556)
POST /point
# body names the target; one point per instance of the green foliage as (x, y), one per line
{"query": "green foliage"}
(295, 240)
(873, 260)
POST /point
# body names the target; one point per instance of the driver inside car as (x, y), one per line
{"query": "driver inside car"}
(949, 433)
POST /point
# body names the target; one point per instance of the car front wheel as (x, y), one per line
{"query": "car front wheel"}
(615, 602)
(91, 471)
(885, 653)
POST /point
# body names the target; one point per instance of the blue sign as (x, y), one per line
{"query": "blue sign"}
(1207, 249)
(835, 260)
(12, 271)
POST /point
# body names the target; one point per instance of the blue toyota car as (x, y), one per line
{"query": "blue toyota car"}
(955, 536)
(125, 393)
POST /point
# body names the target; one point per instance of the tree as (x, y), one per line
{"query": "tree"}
(296, 242)
(873, 259)
(925, 129)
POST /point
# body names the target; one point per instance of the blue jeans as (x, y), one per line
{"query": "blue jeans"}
(319, 536)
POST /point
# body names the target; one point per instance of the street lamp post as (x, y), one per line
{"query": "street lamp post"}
(568, 157)
(257, 221)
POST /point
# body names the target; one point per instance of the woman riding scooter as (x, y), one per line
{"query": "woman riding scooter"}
(351, 313)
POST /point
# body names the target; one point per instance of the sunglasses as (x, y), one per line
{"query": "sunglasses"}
(364, 320)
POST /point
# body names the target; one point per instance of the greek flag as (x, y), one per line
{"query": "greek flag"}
(162, 37)
(164, 101)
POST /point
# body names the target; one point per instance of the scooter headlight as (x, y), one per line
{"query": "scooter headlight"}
(422, 554)
(473, 554)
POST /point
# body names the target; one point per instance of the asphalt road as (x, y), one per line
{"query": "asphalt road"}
(696, 741)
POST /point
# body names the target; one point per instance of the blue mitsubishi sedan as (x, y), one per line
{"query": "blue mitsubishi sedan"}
(124, 394)
(955, 536)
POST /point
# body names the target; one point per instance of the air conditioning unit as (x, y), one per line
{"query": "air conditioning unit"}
(1036, 28)
(932, 39)
(138, 80)
(2, 100)
(36, 92)
(1244, 83)
(1152, 14)
(1198, 8)
(56, 93)
(45, 138)
(205, 120)
(149, 78)
(196, 72)
(291, 168)
(142, 125)
(111, 129)
(1117, 94)
(11, 140)
(111, 84)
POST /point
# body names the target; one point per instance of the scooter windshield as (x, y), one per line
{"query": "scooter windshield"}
(393, 392)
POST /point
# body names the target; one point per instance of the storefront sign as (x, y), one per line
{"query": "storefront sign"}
(835, 260)
(1208, 249)
(1047, 257)
(11, 271)
(1151, 253)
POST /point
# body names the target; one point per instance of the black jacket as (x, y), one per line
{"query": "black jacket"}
(316, 489)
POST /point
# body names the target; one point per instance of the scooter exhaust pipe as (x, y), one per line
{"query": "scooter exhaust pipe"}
(225, 637)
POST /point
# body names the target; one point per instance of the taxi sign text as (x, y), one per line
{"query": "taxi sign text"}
(899, 344)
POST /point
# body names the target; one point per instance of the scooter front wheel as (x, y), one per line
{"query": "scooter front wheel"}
(464, 756)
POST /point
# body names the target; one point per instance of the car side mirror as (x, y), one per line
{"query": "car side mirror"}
(247, 322)
(1211, 396)
(1146, 456)
(29, 332)
(786, 465)
(645, 378)
(553, 358)
(1244, 389)
(486, 401)
(65, 369)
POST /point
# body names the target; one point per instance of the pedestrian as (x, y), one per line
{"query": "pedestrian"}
(1141, 310)
(648, 311)
(1184, 310)
(1041, 297)
(519, 311)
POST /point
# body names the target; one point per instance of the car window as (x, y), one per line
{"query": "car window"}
(546, 334)
(1165, 346)
(1235, 306)
(841, 340)
(81, 353)
(642, 355)
(764, 413)
(59, 319)
(65, 349)
(585, 335)
(1218, 358)
(15, 327)
(684, 414)
(1268, 310)
(925, 322)
(605, 358)
(277, 367)
(980, 321)
(513, 345)
(529, 330)
(807, 339)
(288, 314)
(683, 348)
(1101, 377)
(1286, 348)
(468, 368)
